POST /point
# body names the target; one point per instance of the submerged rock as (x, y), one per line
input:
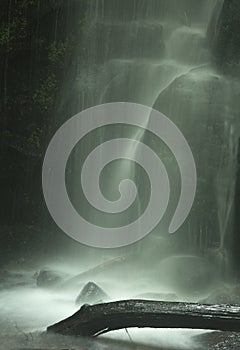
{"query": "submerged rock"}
(187, 275)
(219, 340)
(11, 279)
(224, 295)
(48, 278)
(91, 293)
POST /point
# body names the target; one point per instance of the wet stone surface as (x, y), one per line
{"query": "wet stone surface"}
(24, 318)
(220, 341)
(91, 293)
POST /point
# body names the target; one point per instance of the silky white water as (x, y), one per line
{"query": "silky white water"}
(26, 311)
(156, 53)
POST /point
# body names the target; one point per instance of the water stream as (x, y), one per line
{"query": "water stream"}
(155, 53)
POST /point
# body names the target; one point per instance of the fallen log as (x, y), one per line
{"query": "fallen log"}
(102, 318)
(92, 272)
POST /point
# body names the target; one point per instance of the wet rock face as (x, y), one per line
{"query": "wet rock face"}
(91, 293)
(210, 127)
(225, 40)
(219, 340)
(135, 39)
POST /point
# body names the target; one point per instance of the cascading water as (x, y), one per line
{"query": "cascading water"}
(156, 53)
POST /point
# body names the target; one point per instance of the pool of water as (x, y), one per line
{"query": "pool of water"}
(26, 311)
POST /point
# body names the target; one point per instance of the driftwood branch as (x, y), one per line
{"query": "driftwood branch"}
(98, 319)
(93, 272)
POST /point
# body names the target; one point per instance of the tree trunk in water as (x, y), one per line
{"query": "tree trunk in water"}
(102, 318)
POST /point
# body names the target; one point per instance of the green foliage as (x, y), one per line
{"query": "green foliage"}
(35, 138)
(37, 42)
(4, 35)
(45, 93)
(13, 33)
(57, 52)
(26, 3)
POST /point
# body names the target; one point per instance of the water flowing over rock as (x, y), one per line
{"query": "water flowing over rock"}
(159, 53)
(180, 57)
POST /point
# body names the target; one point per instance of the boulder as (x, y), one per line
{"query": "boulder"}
(91, 294)
(48, 278)
(187, 275)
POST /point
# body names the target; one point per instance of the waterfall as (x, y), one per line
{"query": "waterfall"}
(156, 53)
